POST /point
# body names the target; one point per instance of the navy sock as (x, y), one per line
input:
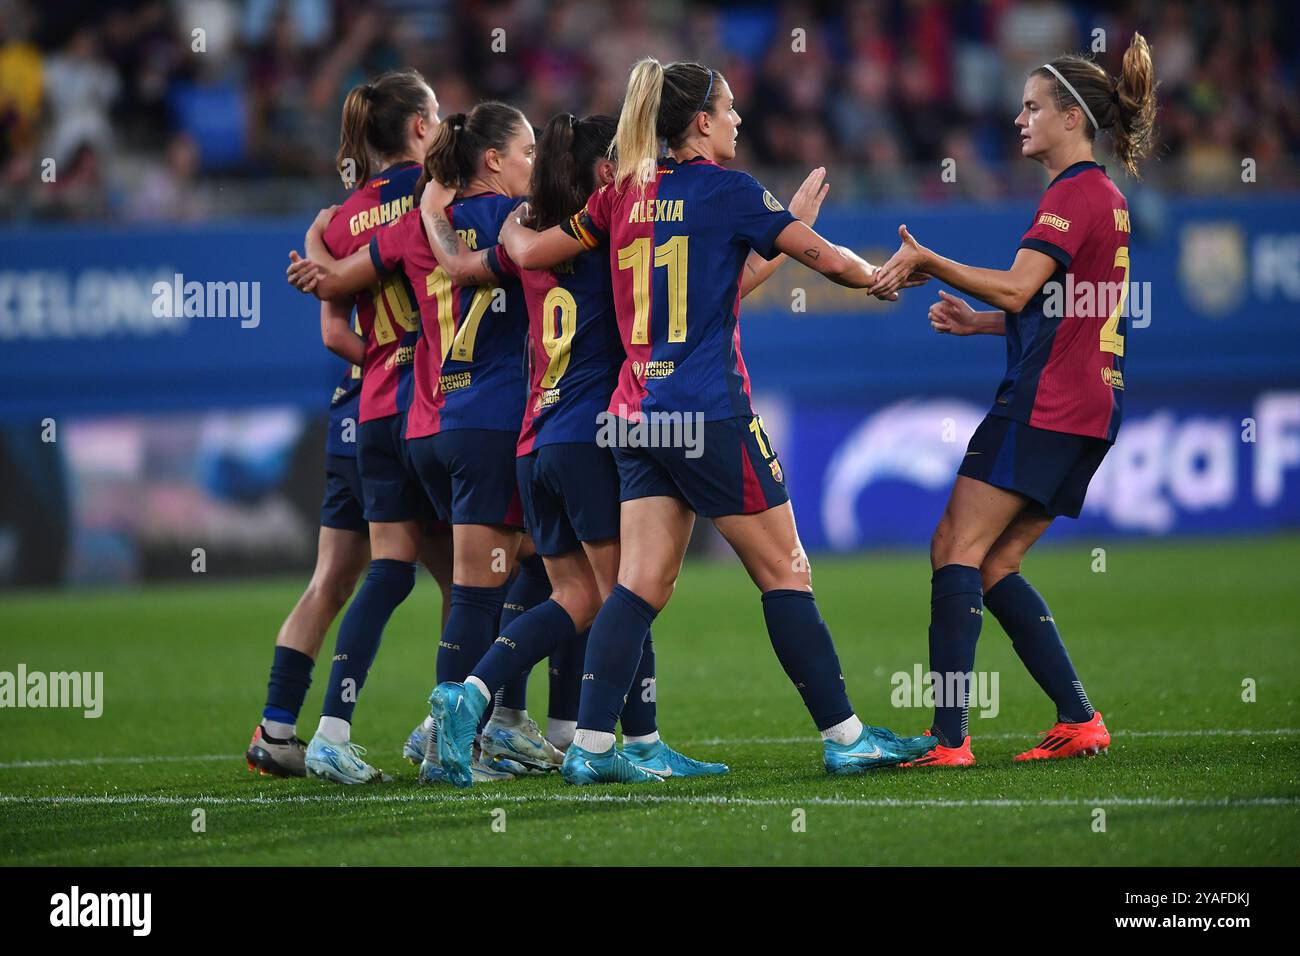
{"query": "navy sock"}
(386, 585)
(529, 639)
(638, 718)
(287, 688)
(956, 612)
(530, 588)
(471, 628)
(1025, 617)
(613, 655)
(566, 678)
(803, 645)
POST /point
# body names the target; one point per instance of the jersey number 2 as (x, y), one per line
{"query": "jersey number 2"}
(1111, 340)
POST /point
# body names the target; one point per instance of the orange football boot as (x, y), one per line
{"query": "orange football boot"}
(1071, 740)
(942, 756)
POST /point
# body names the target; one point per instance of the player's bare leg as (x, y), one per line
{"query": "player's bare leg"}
(436, 554)
(1079, 730)
(654, 533)
(341, 556)
(767, 544)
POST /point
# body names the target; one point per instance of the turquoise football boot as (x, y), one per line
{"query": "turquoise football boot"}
(457, 709)
(582, 767)
(340, 763)
(875, 747)
(496, 771)
(662, 761)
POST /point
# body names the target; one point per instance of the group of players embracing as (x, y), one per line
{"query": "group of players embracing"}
(510, 293)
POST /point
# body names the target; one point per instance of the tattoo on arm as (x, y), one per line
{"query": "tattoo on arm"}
(813, 253)
(446, 235)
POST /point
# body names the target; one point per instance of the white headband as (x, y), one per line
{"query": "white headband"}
(1075, 93)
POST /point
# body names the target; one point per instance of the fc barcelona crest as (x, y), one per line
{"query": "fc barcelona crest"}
(775, 465)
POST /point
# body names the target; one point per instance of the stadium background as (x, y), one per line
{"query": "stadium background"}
(176, 433)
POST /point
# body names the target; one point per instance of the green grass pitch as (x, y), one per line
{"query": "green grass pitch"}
(1163, 639)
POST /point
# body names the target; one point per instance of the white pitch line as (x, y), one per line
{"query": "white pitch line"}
(637, 799)
(703, 742)
(105, 761)
(1024, 735)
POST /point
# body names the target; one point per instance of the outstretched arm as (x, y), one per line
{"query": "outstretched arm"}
(840, 264)
(336, 331)
(805, 205)
(536, 250)
(1009, 290)
(464, 266)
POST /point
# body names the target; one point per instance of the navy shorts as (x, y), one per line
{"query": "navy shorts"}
(469, 475)
(342, 508)
(737, 473)
(570, 495)
(1051, 468)
(388, 482)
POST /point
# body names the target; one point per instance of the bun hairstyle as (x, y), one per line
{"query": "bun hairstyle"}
(1124, 105)
(375, 115)
(661, 104)
(563, 166)
(463, 138)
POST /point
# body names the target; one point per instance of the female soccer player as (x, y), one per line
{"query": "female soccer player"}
(1057, 409)
(678, 236)
(568, 482)
(392, 118)
(469, 390)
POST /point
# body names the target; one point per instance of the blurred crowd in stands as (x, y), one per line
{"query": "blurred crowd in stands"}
(144, 110)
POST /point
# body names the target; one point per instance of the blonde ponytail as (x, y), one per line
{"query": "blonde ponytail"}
(636, 143)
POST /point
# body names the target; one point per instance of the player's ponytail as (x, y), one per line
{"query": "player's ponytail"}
(375, 118)
(1125, 106)
(636, 142)
(564, 166)
(462, 139)
(661, 104)
(1136, 93)
(353, 159)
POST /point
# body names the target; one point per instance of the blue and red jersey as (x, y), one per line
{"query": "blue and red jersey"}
(473, 375)
(405, 245)
(1065, 349)
(676, 255)
(574, 351)
(387, 314)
